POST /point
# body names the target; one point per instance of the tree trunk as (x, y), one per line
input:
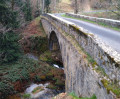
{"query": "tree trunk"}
(43, 6)
(75, 7)
(12, 4)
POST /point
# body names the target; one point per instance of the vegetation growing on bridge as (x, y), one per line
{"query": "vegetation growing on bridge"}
(112, 86)
(72, 95)
(75, 97)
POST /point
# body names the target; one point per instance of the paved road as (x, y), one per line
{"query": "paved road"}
(110, 37)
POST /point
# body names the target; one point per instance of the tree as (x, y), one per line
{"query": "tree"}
(45, 6)
(47, 3)
(12, 4)
(9, 47)
(27, 10)
(76, 7)
(117, 7)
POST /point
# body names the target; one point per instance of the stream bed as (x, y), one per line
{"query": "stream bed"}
(38, 90)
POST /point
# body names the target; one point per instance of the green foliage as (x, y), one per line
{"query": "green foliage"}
(38, 89)
(8, 17)
(101, 70)
(39, 43)
(19, 71)
(46, 56)
(9, 47)
(47, 3)
(26, 96)
(6, 88)
(111, 87)
(27, 70)
(75, 97)
(19, 3)
(37, 78)
(27, 10)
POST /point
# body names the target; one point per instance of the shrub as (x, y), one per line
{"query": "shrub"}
(5, 88)
(27, 10)
(9, 47)
(26, 96)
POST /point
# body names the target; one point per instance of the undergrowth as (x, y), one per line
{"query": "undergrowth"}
(75, 97)
(14, 77)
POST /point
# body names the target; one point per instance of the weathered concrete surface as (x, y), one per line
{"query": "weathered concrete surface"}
(81, 76)
(111, 22)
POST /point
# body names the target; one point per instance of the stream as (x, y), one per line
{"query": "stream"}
(35, 90)
(42, 93)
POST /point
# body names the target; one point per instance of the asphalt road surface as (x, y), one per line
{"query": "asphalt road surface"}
(110, 37)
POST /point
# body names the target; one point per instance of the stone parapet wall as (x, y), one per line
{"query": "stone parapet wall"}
(110, 22)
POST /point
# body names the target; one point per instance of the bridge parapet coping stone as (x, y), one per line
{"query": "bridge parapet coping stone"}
(105, 56)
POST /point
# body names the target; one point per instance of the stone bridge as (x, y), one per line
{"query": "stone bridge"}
(90, 66)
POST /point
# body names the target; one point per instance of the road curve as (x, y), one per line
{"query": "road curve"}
(110, 37)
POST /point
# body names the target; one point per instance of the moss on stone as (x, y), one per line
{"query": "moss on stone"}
(101, 71)
(111, 87)
(76, 27)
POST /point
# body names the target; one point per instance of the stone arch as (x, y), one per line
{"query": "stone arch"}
(53, 42)
(54, 46)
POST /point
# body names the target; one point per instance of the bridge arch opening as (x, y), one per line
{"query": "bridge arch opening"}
(54, 47)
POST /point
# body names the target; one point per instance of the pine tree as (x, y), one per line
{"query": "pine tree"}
(47, 3)
(27, 10)
(7, 16)
(9, 46)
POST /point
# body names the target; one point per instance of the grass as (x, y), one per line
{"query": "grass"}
(37, 89)
(26, 96)
(66, 1)
(106, 14)
(98, 23)
(75, 97)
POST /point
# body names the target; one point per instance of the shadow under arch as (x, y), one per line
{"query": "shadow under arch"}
(54, 47)
(53, 42)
